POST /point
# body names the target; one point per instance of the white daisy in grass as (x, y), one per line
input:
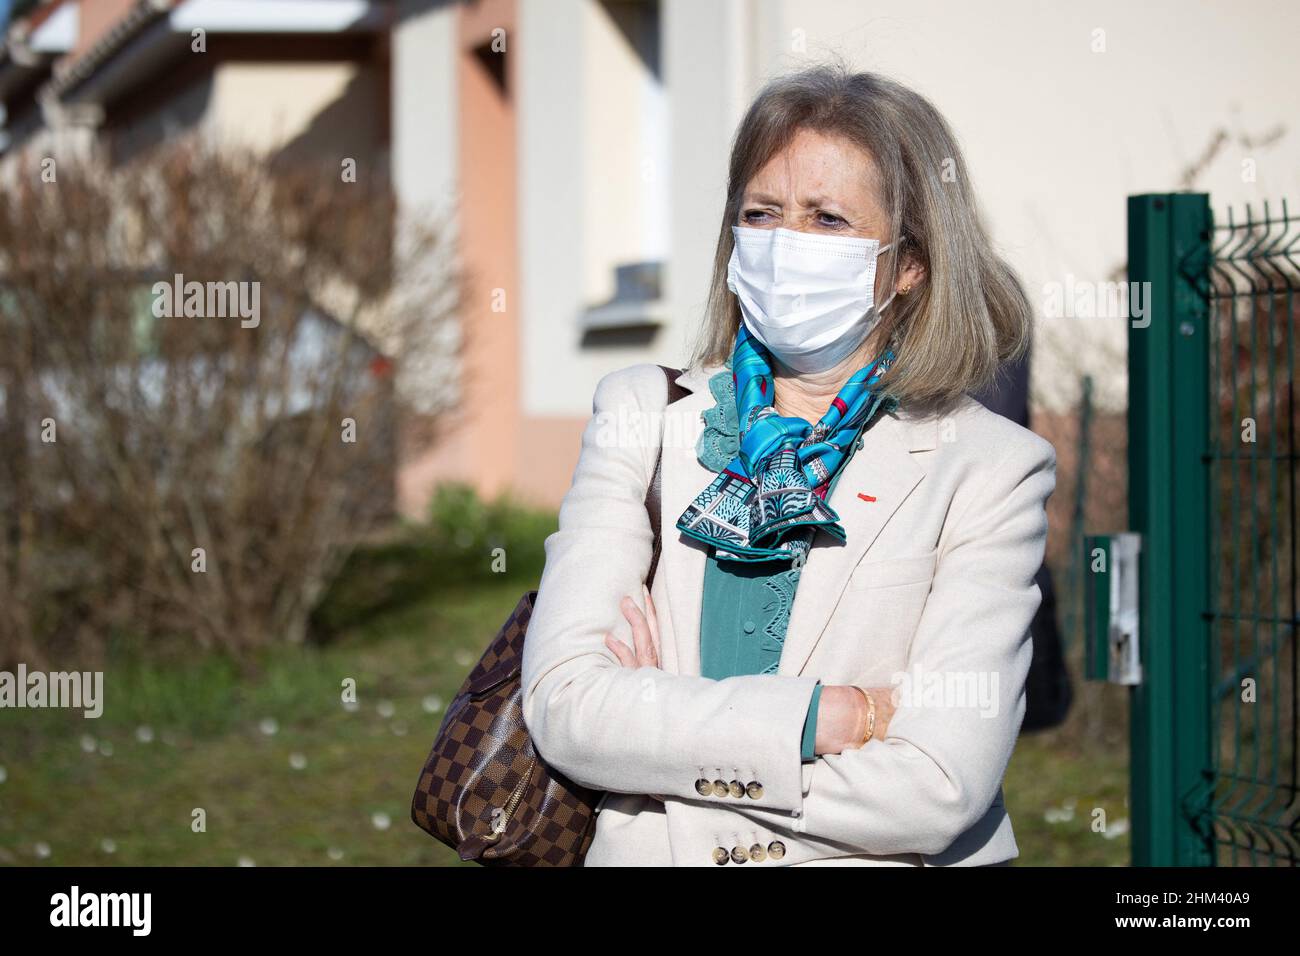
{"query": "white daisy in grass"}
(269, 726)
(42, 850)
(380, 820)
(432, 704)
(1117, 829)
(88, 743)
(108, 845)
(335, 854)
(297, 761)
(1063, 813)
(246, 861)
(144, 734)
(386, 709)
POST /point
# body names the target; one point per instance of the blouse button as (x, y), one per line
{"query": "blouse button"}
(749, 627)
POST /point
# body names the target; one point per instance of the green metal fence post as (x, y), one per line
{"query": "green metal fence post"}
(1168, 425)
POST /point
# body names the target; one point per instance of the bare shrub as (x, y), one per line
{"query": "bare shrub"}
(178, 466)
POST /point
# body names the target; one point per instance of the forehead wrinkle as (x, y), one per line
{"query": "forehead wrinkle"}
(843, 176)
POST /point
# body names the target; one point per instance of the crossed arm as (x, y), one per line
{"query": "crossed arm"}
(843, 713)
(641, 730)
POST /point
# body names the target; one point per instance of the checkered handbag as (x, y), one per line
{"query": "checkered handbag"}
(485, 791)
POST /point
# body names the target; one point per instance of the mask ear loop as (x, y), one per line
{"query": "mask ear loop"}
(881, 308)
(893, 295)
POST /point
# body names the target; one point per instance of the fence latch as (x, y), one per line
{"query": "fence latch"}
(1111, 599)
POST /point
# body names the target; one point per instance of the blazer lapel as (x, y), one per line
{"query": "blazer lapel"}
(884, 470)
(683, 558)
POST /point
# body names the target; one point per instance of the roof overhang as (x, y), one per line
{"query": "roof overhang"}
(279, 16)
(158, 32)
(27, 52)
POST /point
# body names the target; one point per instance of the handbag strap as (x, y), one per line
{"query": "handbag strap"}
(653, 493)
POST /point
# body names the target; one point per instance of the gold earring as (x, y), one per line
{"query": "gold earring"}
(905, 289)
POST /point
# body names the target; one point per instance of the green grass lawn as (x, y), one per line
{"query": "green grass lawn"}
(326, 785)
(1054, 790)
(287, 775)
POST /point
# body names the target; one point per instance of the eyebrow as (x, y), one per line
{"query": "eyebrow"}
(818, 202)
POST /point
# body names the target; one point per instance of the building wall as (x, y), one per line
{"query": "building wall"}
(487, 228)
(346, 93)
(594, 192)
(481, 442)
(591, 160)
(426, 174)
(321, 109)
(97, 17)
(1059, 123)
(426, 145)
(324, 95)
(1057, 134)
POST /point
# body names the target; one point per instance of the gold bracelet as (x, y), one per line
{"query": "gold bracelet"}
(871, 716)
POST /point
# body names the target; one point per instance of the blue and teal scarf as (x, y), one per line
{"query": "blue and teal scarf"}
(769, 501)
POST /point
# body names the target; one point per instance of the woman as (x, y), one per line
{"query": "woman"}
(831, 666)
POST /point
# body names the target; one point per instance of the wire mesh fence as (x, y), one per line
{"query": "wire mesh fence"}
(1250, 808)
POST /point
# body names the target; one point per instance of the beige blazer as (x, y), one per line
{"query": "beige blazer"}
(933, 591)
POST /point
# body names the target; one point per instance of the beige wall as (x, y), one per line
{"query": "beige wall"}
(266, 105)
(1055, 134)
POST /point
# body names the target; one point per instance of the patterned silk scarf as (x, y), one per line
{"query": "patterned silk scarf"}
(768, 503)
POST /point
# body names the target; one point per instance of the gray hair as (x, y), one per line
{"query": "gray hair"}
(970, 313)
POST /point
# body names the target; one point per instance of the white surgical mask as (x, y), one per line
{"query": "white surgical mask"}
(809, 298)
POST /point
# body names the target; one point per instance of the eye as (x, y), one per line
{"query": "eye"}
(755, 216)
(830, 220)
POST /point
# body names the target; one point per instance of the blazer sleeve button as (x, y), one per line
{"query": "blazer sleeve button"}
(720, 855)
(720, 788)
(736, 789)
(776, 849)
(755, 790)
(703, 787)
(758, 853)
(739, 854)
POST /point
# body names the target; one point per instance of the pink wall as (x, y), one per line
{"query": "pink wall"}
(491, 444)
(97, 17)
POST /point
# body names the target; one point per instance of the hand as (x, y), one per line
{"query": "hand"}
(645, 634)
(842, 717)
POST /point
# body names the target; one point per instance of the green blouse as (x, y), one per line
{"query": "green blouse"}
(746, 604)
